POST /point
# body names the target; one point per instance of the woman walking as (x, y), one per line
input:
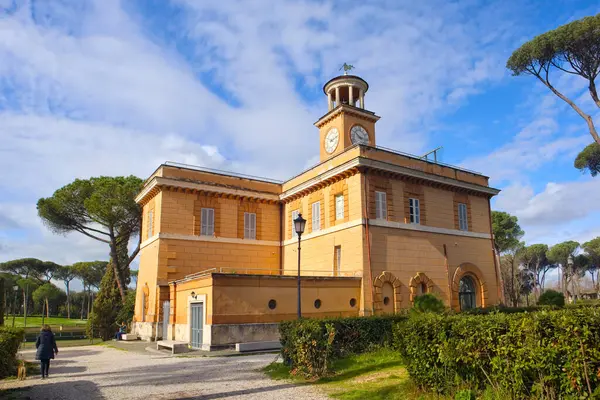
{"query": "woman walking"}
(46, 349)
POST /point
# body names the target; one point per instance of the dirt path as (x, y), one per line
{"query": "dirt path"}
(99, 372)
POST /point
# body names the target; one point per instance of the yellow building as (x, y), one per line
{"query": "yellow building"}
(219, 256)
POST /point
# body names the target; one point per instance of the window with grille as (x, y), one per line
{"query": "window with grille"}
(463, 222)
(295, 214)
(414, 211)
(249, 225)
(207, 222)
(380, 205)
(316, 216)
(337, 260)
(339, 206)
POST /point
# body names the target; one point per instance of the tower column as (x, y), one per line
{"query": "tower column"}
(329, 101)
(351, 95)
(337, 96)
(361, 96)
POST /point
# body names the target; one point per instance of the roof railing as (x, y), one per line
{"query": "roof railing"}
(221, 172)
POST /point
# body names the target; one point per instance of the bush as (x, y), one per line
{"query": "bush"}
(126, 313)
(552, 354)
(428, 303)
(552, 298)
(309, 345)
(107, 305)
(10, 340)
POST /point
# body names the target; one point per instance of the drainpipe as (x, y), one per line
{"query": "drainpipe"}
(499, 283)
(366, 216)
(281, 222)
(448, 276)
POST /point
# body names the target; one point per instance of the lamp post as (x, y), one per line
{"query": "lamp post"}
(570, 265)
(299, 224)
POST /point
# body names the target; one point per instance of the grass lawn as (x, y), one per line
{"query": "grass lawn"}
(64, 343)
(378, 375)
(37, 321)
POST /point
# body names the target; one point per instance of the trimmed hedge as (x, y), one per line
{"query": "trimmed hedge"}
(552, 298)
(549, 354)
(309, 345)
(10, 340)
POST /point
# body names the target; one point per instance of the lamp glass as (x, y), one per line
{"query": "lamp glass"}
(15, 288)
(570, 260)
(299, 224)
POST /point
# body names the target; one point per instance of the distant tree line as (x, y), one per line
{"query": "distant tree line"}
(525, 268)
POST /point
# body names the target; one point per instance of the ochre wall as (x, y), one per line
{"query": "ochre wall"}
(179, 307)
(246, 299)
(148, 270)
(405, 253)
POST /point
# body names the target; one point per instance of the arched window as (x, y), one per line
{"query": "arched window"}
(466, 293)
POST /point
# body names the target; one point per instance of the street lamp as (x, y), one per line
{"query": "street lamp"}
(570, 265)
(299, 224)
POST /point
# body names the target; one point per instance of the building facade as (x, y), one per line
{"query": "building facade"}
(219, 256)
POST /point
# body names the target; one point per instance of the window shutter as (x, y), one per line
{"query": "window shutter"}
(253, 225)
(249, 226)
(316, 216)
(380, 205)
(339, 206)
(150, 223)
(417, 211)
(207, 222)
(294, 216)
(463, 223)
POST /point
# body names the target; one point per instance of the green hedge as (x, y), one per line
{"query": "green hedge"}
(309, 345)
(548, 354)
(10, 340)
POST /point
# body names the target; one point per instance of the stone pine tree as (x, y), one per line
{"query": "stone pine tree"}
(559, 254)
(66, 274)
(103, 209)
(592, 248)
(572, 49)
(507, 232)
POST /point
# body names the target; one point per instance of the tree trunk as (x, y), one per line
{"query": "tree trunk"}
(68, 300)
(47, 308)
(593, 92)
(115, 264)
(83, 302)
(2, 301)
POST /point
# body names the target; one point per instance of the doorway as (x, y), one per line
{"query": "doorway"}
(196, 324)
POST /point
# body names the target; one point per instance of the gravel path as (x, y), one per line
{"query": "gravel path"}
(99, 372)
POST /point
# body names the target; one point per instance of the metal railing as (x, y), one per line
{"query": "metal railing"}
(273, 272)
(221, 172)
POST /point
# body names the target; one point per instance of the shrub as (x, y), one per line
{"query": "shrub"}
(107, 305)
(309, 345)
(546, 353)
(10, 340)
(552, 298)
(428, 303)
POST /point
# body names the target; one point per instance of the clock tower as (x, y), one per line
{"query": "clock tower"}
(347, 122)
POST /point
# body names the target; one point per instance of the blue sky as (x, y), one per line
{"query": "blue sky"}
(106, 87)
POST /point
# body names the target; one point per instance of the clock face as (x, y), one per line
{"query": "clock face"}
(359, 135)
(331, 140)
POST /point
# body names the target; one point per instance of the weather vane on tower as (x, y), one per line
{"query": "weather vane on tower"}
(346, 68)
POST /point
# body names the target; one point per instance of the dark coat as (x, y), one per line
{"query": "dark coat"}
(46, 346)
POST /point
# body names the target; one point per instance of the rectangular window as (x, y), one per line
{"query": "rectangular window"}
(150, 223)
(339, 206)
(337, 260)
(463, 222)
(295, 214)
(380, 205)
(207, 222)
(316, 216)
(249, 225)
(414, 211)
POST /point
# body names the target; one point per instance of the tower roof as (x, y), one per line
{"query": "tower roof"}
(342, 78)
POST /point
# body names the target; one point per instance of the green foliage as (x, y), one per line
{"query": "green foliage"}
(559, 253)
(10, 339)
(106, 308)
(2, 297)
(428, 303)
(47, 291)
(588, 160)
(551, 298)
(309, 345)
(507, 231)
(465, 394)
(546, 353)
(126, 312)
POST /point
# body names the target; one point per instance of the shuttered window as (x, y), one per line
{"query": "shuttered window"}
(463, 222)
(207, 222)
(249, 225)
(414, 211)
(316, 216)
(295, 214)
(339, 206)
(380, 205)
(150, 223)
(337, 260)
